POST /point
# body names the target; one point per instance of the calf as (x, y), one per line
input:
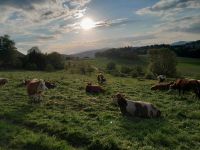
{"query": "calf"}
(162, 86)
(136, 108)
(93, 88)
(35, 89)
(183, 85)
(3, 81)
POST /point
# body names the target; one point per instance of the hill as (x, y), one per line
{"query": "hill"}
(89, 54)
(190, 49)
(179, 43)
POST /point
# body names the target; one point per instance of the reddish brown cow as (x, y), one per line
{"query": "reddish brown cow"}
(3, 81)
(93, 88)
(187, 85)
(162, 86)
(35, 88)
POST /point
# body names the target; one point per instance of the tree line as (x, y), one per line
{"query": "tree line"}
(10, 58)
(190, 49)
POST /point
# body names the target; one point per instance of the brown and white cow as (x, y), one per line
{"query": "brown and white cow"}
(3, 81)
(35, 88)
(136, 108)
(162, 86)
(93, 88)
(183, 85)
(48, 84)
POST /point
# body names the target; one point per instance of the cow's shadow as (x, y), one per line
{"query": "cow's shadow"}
(139, 128)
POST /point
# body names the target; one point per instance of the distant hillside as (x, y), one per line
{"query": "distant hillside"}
(89, 54)
(189, 49)
(179, 43)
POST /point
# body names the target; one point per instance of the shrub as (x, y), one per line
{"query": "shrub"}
(162, 61)
(111, 66)
(134, 73)
(49, 68)
(149, 75)
(125, 69)
(31, 66)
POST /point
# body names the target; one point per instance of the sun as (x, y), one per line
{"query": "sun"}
(87, 23)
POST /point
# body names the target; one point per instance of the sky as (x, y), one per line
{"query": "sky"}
(73, 26)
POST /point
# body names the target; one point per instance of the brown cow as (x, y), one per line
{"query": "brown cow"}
(162, 86)
(35, 89)
(93, 88)
(3, 81)
(187, 85)
(136, 108)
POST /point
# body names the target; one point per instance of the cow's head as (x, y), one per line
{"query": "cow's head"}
(41, 87)
(50, 85)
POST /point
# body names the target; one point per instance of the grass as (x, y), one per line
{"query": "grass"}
(68, 118)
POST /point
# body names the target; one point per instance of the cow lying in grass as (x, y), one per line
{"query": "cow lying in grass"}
(162, 86)
(48, 84)
(183, 85)
(35, 88)
(136, 108)
(93, 88)
(3, 81)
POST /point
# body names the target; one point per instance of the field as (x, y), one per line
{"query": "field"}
(68, 118)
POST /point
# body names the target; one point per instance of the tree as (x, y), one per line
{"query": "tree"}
(162, 61)
(8, 55)
(56, 60)
(35, 56)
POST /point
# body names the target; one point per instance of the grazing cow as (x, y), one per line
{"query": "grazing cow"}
(136, 108)
(35, 89)
(93, 88)
(162, 86)
(3, 81)
(187, 85)
(161, 78)
(101, 79)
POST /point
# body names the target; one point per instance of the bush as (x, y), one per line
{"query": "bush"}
(134, 74)
(162, 61)
(31, 66)
(111, 66)
(125, 69)
(49, 68)
(149, 75)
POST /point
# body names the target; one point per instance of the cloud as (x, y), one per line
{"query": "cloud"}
(65, 28)
(166, 7)
(35, 11)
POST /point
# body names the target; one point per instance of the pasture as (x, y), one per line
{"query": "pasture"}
(68, 118)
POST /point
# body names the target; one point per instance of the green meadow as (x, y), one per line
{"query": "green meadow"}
(68, 118)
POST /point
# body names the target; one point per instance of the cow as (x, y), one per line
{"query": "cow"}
(161, 78)
(93, 88)
(183, 85)
(35, 88)
(48, 84)
(3, 81)
(162, 86)
(100, 78)
(136, 108)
